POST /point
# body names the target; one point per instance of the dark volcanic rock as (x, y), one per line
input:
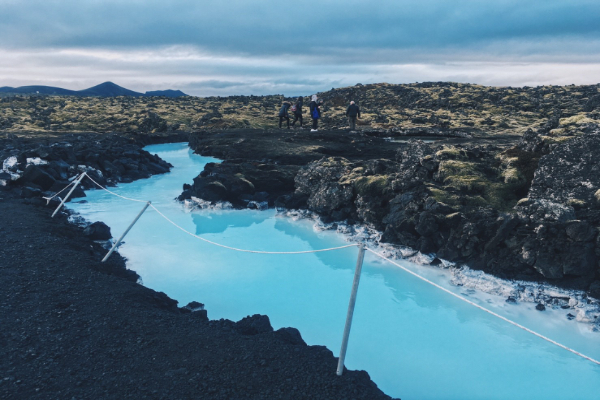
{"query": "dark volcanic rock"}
(571, 171)
(36, 175)
(97, 231)
(242, 183)
(470, 203)
(107, 159)
(253, 325)
(320, 182)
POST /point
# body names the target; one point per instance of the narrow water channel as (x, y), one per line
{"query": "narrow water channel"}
(415, 341)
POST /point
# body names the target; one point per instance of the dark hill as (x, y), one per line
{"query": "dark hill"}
(166, 93)
(49, 90)
(106, 89)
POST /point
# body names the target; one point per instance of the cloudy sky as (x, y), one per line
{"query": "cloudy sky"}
(223, 47)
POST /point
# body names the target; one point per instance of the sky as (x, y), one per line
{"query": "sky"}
(229, 47)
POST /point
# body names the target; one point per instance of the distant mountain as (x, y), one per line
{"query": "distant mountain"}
(106, 89)
(166, 93)
(38, 90)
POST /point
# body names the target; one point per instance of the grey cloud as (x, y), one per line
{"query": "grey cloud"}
(269, 27)
(242, 47)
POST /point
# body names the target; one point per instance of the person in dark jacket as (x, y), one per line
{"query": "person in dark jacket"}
(315, 112)
(352, 112)
(298, 111)
(283, 114)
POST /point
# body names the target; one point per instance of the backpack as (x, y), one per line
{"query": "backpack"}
(315, 112)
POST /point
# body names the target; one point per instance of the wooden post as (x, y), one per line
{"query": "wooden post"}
(350, 313)
(126, 231)
(77, 182)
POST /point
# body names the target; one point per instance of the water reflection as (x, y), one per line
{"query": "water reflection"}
(211, 223)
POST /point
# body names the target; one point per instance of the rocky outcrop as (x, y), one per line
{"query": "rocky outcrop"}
(47, 165)
(97, 231)
(571, 172)
(242, 183)
(551, 235)
(519, 208)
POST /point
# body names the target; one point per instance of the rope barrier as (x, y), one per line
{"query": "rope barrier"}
(113, 193)
(249, 251)
(331, 249)
(486, 310)
(73, 180)
(218, 244)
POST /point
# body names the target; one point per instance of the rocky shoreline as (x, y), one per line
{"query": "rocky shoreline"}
(573, 304)
(78, 328)
(525, 209)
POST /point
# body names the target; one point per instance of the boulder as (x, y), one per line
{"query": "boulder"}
(97, 231)
(28, 192)
(36, 175)
(290, 336)
(253, 325)
(570, 171)
(320, 181)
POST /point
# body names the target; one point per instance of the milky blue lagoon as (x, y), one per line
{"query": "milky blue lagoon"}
(415, 341)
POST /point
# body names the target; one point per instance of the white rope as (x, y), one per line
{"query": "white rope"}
(338, 248)
(73, 180)
(486, 310)
(244, 250)
(214, 243)
(113, 193)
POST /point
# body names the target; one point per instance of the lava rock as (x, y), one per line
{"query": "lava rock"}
(253, 325)
(36, 175)
(570, 171)
(290, 335)
(28, 192)
(97, 231)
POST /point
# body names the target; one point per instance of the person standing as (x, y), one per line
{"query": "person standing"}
(315, 112)
(283, 114)
(297, 110)
(352, 112)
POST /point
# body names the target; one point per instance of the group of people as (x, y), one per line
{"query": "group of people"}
(352, 112)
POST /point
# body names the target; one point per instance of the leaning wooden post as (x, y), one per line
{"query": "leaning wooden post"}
(77, 182)
(359, 264)
(125, 233)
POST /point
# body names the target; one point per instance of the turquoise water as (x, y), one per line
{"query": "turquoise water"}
(415, 341)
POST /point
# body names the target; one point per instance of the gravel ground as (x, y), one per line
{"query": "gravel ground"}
(74, 328)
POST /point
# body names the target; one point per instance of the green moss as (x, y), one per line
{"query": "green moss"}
(576, 203)
(455, 200)
(371, 185)
(330, 161)
(557, 139)
(577, 119)
(450, 152)
(512, 175)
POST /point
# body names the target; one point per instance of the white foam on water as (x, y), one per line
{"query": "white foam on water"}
(415, 341)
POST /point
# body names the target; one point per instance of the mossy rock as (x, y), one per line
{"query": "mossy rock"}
(374, 185)
(451, 153)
